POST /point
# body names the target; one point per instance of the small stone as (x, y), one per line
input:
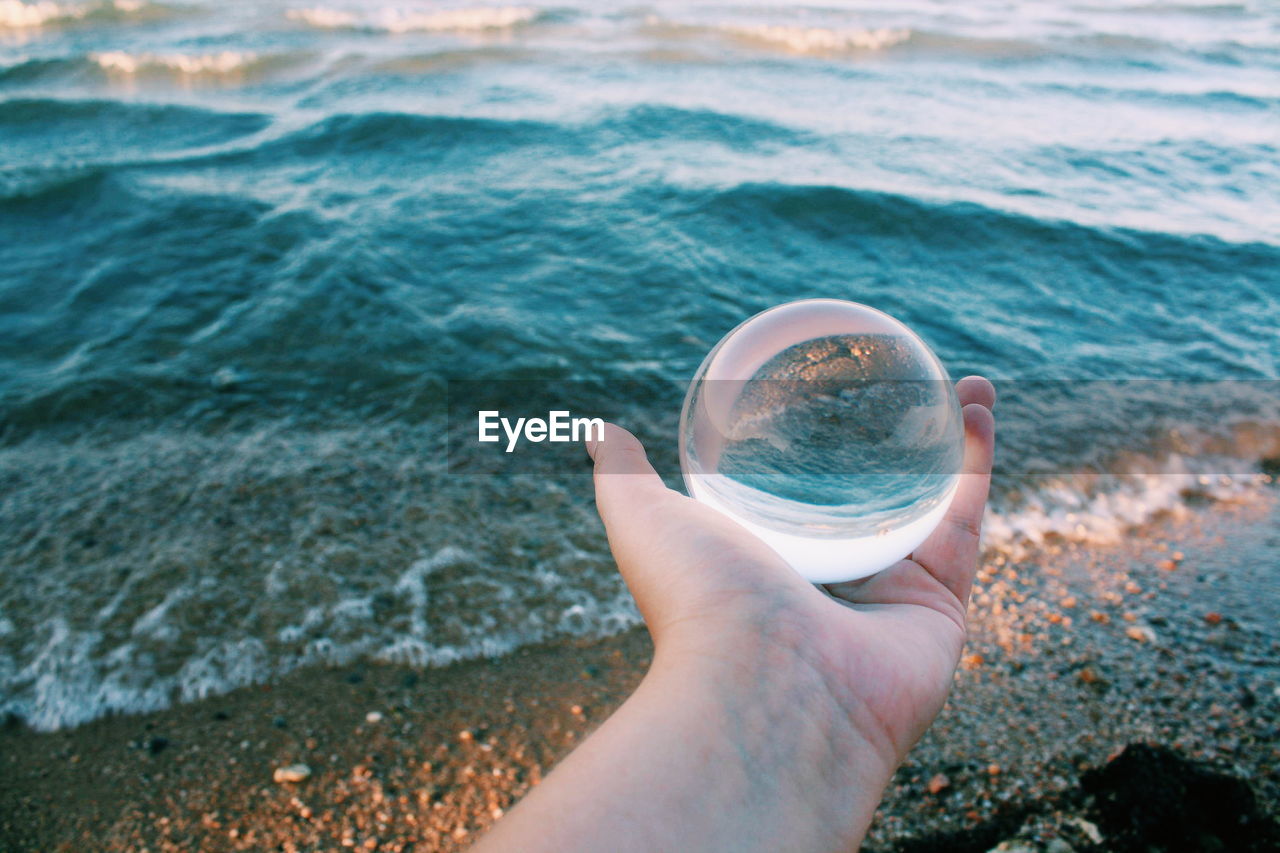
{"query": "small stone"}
(1089, 829)
(466, 736)
(1068, 602)
(938, 783)
(460, 833)
(373, 717)
(1166, 565)
(1213, 618)
(576, 710)
(973, 661)
(1089, 676)
(291, 773)
(1177, 556)
(1140, 634)
(993, 769)
(1013, 847)
(1100, 617)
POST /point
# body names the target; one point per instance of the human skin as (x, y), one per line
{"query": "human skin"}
(774, 712)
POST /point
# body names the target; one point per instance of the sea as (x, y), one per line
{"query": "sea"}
(250, 252)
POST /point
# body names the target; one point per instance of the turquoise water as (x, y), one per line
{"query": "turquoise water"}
(244, 247)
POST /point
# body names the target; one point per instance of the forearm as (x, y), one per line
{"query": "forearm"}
(710, 755)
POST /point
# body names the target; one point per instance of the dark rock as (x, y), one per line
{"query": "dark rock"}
(1150, 799)
(157, 744)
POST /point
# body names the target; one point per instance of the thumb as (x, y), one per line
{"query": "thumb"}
(634, 505)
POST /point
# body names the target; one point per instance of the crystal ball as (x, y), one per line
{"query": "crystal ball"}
(829, 430)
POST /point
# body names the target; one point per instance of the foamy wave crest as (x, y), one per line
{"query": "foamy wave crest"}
(1100, 509)
(821, 39)
(78, 675)
(225, 62)
(15, 14)
(191, 603)
(477, 19)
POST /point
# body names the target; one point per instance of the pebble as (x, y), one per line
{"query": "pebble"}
(1140, 633)
(1088, 676)
(938, 783)
(1089, 829)
(373, 717)
(1013, 847)
(291, 773)
(1213, 617)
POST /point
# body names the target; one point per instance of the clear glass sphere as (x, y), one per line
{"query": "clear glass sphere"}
(829, 430)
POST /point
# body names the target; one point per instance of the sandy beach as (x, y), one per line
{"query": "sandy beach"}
(1115, 699)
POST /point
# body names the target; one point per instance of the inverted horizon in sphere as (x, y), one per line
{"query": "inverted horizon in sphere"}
(830, 431)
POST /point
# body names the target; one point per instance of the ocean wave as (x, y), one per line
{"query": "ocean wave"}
(223, 62)
(820, 39)
(465, 20)
(933, 41)
(1101, 509)
(295, 548)
(328, 547)
(18, 15)
(227, 65)
(835, 41)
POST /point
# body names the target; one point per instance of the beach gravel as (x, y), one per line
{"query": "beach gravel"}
(1047, 743)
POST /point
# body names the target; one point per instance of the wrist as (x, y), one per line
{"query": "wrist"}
(771, 712)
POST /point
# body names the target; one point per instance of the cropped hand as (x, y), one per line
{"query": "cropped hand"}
(886, 647)
(774, 712)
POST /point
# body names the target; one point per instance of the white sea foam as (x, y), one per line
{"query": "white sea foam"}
(821, 39)
(223, 62)
(1100, 509)
(476, 19)
(15, 14)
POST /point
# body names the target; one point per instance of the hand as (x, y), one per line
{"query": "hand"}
(774, 712)
(885, 647)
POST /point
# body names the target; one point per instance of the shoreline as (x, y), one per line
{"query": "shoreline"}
(1074, 654)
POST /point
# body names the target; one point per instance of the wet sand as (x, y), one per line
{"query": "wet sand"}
(1075, 654)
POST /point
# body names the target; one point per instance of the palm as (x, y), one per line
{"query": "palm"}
(888, 644)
